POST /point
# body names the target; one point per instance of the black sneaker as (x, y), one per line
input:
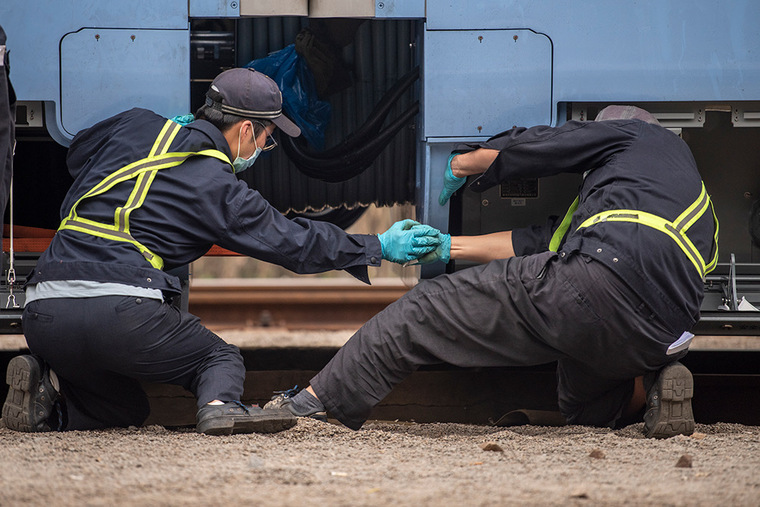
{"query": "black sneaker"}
(233, 417)
(31, 402)
(284, 400)
(669, 403)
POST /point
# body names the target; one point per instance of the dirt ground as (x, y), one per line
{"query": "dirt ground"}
(385, 463)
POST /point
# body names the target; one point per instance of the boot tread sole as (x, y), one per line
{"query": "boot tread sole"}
(675, 413)
(21, 378)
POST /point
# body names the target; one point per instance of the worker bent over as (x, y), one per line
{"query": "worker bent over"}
(610, 291)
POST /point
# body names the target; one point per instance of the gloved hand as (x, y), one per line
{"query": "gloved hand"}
(408, 240)
(451, 183)
(441, 253)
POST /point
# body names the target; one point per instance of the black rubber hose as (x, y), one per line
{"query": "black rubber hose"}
(295, 147)
(376, 118)
(374, 121)
(351, 163)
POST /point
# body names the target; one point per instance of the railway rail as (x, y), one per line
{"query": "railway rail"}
(289, 329)
(311, 303)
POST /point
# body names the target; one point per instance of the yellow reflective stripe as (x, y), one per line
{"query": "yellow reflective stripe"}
(120, 219)
(693, 212)
(559, 233)
(714, 261)
(174, 129)
(136, 199)
(215, 154)
(144, 171)
(134, 169)
(146, 164)
(110, 232)
(675, 229)
(141, 166)
(120, 230)
(654, 222)
(164, 139)
(689, 249)
(128, 172)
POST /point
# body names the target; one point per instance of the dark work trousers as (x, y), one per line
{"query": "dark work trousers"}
(515, 312)
(101, 347)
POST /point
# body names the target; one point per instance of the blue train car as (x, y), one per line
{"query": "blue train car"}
(461, 71)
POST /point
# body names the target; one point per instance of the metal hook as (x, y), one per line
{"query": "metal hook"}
(11, 299)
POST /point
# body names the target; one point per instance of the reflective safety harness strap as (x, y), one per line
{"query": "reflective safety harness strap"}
(560, 232)
(144, 172)
(676, 229)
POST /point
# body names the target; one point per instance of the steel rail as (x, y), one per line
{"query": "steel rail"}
(289, 303)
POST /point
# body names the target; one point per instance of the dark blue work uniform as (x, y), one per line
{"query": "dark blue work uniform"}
(620, 288)
(101, 347)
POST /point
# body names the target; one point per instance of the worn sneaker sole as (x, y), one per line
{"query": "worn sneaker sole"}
(319, 416)
(675, 417)
(23, 379)
(281, 402)
(270, 421)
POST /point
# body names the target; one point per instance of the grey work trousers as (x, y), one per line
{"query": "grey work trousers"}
(102, 347)
(521, 311)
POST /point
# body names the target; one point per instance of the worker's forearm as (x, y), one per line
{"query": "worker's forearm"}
(474, 162)
(485, 248)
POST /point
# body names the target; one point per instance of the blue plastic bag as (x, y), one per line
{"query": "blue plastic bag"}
(299, 93)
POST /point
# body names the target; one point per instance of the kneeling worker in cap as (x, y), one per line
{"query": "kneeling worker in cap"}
(151, 195)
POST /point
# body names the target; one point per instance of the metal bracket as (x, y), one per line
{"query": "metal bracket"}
(671, 115)
(741, 117)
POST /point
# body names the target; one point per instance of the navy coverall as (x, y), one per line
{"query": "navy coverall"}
(606, 305)
(101, 347)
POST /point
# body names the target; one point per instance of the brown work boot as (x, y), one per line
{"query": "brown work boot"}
(669, 403)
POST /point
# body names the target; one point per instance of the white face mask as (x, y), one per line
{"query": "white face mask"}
(241, 164)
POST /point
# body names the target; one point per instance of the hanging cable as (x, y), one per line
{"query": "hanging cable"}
(357, 152)
(374, 121)
(351, 163)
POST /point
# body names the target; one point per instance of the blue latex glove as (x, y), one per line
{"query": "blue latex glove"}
(451, 183)
(408, 240)
(441, 253)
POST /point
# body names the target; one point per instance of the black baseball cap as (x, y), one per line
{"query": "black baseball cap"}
(250, 94)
